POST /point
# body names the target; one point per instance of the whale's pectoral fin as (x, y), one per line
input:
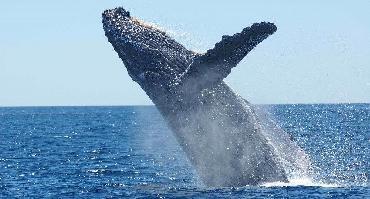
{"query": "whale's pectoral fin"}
(213, 66)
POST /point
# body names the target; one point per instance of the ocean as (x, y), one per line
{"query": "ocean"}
(128, 151)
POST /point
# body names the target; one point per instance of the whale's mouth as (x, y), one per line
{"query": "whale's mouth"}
(120, 20)
(116, 13)
(117, 22)
(137, 43)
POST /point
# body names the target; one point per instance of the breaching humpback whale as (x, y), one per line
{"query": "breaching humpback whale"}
(218, 130)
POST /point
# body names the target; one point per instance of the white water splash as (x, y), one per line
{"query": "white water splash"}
(299, 182)
(293, 158)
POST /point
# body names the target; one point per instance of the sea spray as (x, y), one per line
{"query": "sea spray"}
(294, 159)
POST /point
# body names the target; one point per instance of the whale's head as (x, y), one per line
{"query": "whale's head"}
(151, 57)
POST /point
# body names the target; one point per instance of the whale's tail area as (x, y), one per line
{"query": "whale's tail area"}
(214, 65)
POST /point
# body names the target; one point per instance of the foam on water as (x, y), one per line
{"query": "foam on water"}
(299, 182)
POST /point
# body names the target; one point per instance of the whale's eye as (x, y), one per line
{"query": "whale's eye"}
(141, 76)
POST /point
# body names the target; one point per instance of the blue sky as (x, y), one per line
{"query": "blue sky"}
(55, 52)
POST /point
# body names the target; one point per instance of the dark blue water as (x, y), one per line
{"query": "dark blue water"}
(99, 152)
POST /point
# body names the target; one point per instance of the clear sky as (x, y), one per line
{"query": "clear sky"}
(55, 52)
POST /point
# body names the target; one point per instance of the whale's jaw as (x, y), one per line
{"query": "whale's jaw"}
(151, 57)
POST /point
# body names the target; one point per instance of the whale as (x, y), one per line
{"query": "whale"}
(219, 131)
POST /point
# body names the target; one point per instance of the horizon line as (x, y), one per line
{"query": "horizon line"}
(133, 105)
